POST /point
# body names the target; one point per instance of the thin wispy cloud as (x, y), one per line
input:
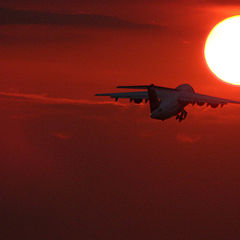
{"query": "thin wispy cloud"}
(62, 136)
(220, 2)
(184, 138)
(26, 17)
(42, 98)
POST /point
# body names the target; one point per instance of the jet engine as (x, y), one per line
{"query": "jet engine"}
(137, 100)
(214, 105)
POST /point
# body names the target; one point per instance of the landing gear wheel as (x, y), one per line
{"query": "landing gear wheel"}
(182, 116)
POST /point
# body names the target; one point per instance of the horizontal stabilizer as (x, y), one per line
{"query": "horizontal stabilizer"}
(146, 87)
(135, 87)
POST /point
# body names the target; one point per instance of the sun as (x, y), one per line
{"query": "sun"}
(222, 50)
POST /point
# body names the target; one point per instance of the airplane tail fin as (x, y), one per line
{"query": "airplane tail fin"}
(153, 98)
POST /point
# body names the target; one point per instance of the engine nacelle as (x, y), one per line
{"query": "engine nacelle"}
(200, 103)
(214, 105)
(137, 100)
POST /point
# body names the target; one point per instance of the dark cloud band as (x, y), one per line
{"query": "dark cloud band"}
(10, 16)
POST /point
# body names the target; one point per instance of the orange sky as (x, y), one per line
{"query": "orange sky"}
(74, 168)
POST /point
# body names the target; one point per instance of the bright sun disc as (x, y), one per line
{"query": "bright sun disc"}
(222, 50)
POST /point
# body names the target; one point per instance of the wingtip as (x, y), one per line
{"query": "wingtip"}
(102, 94)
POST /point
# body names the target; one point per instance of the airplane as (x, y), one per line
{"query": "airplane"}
(168, 102)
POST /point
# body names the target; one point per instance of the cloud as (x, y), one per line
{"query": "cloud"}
(220, 2)
(29, 107)
(184, 138)
(61, 135)
(43, 99)
(11, 16)
(229, 114)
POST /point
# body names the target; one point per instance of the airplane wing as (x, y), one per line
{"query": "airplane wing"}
(136, 96)
(201, 99)
(161, 92)
(164, 92)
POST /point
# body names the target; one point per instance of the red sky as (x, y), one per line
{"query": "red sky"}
(74, 166)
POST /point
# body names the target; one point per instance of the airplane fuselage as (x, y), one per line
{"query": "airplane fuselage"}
(169, 106)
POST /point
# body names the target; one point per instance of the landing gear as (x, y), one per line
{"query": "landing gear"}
(181, 116)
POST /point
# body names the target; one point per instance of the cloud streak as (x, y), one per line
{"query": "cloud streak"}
(26, 17)
(183, 138)
(43, 99)
(220, 2)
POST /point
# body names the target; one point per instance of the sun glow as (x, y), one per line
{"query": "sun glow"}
(222, 50)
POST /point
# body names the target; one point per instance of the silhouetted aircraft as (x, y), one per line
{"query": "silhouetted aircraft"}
(168, 102)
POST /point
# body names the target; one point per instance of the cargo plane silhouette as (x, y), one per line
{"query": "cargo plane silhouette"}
(168, 102)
